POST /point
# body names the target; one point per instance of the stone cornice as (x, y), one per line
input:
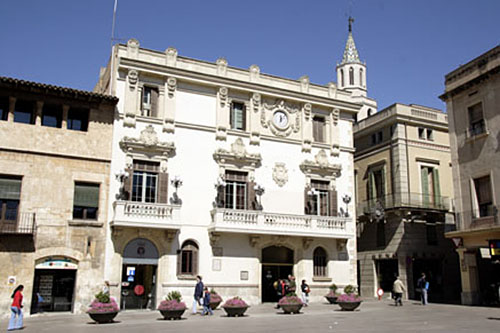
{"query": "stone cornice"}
(320, 166)
(147, 142)
(237, 156)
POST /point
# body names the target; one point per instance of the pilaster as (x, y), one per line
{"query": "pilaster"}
(307, 130)
(12, 107)
(335, 133)
(38, 113)
(223, 110)
(64, 121)
(169, 105)
(132, 94)
(254, 120)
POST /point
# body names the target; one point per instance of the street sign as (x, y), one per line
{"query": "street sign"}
(380, 293)
(457, 241)
(495, 249)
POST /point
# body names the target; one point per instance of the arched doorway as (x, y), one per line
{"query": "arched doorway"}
(138, 287)
(277, 263)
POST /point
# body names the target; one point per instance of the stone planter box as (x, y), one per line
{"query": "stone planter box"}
(172, 314)
(235, 312)
(332, 299)
(291, 308)
(102, 318)
(214, 305)
(349, 306)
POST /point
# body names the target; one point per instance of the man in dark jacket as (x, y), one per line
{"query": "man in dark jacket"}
(198, 293)
(423, 287)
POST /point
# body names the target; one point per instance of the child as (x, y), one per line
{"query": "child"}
(206, 303)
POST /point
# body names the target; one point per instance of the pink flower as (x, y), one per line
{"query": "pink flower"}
(215, 298)
(348, 298)
(171, 305)
(289, 300)
(235, 302)
(98, 307)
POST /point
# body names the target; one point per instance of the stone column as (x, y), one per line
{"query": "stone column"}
(64, 122)
(222, 117)
(12, 106)
(469, 277)
(38, 113)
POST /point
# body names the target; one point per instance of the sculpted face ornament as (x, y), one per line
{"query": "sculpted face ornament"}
(280, 174)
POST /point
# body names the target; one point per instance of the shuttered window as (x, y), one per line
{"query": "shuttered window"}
(236, 190)
(476, 120)
(149, 102)
(320, 199)
(10, 192)
(86, 201)
(319, 262)
(484, 196)
(238, 116)
(318, 129)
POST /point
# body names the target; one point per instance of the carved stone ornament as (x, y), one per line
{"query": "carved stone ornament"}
(238, 155)
(214, 238)
(280, 174)
(221, 66)
(147, 141)
(280, 240)
(321, 166)
(256, 101)
(306, 242)
(171, 56)
(253, 240)
(223, 91)
(133, 48)
(304, 83)
(254, 72)
(307, 110)
(171, 86)
(293, 113)
(133, 76)
(335, 116)
(332, 90)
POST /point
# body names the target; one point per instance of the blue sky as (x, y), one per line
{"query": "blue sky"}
(408, 45)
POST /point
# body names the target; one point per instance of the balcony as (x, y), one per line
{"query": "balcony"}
(484, 218)
(405, 200)
(146, 215)
(25, 224)
(258, 222)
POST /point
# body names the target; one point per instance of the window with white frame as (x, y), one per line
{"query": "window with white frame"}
(145, 181)
(238, 116)
(235, 190)
(149, 102)
(320, 199)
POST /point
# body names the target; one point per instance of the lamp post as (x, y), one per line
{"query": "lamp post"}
(259, 190)
(347, 199)
(121, 176)
(176, 183)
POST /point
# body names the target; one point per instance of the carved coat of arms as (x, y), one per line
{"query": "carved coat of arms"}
(280, 174)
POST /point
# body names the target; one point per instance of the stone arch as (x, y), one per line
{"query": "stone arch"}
(141, 248)
(58, 251)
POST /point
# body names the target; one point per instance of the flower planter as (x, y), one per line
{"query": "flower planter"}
(214, 305)
(348, 306)
(235, 311)
(103, 317)
(332, 299)
(291, 308)
(172, 314)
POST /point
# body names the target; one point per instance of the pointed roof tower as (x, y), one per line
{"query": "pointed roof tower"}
(350, 52)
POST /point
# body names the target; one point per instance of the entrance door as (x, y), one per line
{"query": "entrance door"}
(277, 263)
(55, 288)
(138, 287)
(387, 270)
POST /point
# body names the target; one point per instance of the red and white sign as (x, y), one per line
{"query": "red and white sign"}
(139, 290)
(380, 293)
(457, 241)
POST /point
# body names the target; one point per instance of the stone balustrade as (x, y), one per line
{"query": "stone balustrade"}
(258, 222)
(146, 215)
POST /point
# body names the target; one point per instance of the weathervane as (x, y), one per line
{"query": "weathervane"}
(351, 20)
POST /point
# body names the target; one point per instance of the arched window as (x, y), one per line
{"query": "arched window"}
(361, 76)
(369, 112)
(351, 76)
(187, 259)
(342, 77)
(319, 262)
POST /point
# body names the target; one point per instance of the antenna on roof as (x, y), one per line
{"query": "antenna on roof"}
(111, 67)
(113, 25)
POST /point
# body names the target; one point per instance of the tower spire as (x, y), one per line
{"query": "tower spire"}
(350, 52)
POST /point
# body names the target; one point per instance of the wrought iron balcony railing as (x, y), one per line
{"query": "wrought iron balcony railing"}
(24, 224)
(405, 200)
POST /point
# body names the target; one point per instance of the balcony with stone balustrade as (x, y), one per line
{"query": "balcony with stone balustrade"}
(264, 223)
(146, 215)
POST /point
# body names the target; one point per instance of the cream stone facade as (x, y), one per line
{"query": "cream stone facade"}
(472, 96)
(229, 173)
(46, 150)
(404, 201)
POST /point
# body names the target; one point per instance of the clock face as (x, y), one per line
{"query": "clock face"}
(280, 119)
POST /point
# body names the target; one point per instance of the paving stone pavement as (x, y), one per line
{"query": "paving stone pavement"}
(373, 316)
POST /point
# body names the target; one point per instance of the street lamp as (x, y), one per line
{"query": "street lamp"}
(347, 199)
(176, 182)
(259, 190)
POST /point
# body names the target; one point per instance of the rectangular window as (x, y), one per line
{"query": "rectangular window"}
(421, 133)
(377, 138)
(320, 199)
(476, 120)
(238, 116)
(319, 129)
(149, 102)
(145, 181)
(4, 108)
(236, 190)
(52, 115)
(431, 192)
(187, 262)
(376, 183)
(23, 112)
(78, 119)
(86, 201)
(430, 135)
(484, 196)
(10, 193)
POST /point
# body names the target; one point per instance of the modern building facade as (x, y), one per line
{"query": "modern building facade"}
(229, 173)
(472, 96)
(55, 155)
(404, 201)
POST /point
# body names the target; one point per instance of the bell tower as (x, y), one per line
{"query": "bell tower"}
(351, 72)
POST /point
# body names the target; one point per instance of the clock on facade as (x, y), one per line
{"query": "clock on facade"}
(280, 119)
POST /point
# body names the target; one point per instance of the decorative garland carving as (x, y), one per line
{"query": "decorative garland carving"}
(237, 156)
(256, 102)
(171, 86)
(289, 109)
(223, 91)
(307, 110)
(147, 141)
(335, 116)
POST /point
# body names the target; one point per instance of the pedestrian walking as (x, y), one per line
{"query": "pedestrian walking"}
(206, 303)
(16, 317)
(198, 294)
(398, 288)
(105, 288)
(423, 287)
(304, 287)
(39, 302)
(280, 290)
